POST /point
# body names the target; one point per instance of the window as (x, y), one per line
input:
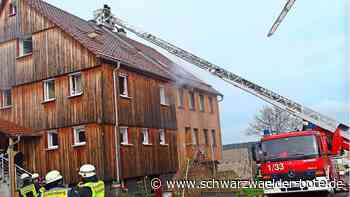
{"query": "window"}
(145, 136)
(6, 98)
(162, 136)
(206, 140)
(25, 46)
(188, 135)
(180, 97)
(123, 85)
(79, 136)
(163, 97)
(52, 139)
(211, 107)
(195, 137)
(12, 9)
(49, 90)
(201, 103)
(75, 84)
(213, 137)
(191, 101)
(124, 139)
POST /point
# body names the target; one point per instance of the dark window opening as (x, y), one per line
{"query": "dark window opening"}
(123, 85)
(25, 46)
(13, 9)
(191, 101)
(213, 134)
(206, 140)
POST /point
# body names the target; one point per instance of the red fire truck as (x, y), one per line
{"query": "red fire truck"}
(303, 160)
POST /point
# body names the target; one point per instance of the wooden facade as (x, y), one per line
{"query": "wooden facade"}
(198, 129)
(56, 55)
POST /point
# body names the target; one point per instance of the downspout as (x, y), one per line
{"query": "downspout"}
(116, 132)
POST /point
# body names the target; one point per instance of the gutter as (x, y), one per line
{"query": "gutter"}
(116, 128)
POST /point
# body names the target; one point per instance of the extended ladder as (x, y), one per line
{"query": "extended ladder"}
(104, 16)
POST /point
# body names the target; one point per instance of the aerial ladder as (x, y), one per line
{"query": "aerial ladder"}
(281, 17)
(337, 130)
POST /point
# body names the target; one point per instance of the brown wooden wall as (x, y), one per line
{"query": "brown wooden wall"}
(54, 53)
(7, 64)
(67, 158)
(140, 160)
(200, 120)
(100, 150)
(29, 110)
(143, 108)
(26, 21)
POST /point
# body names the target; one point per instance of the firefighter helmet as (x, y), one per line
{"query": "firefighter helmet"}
(87, 171)
(53, 176)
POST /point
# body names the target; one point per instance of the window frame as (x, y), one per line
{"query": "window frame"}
(162, 137)
(188, 135)
(20, 45)
(47, 91)
(180, 97)
(7, 98)
(164, 100)
(201, 103)
(125, 85)
(213, 138)
(211, 104)
(194, 135)
(145, 136)
(50, 145)
(73, 92)
(192, 101)
(12, 9)
(206, 137)
(76, 131)
(124, 135)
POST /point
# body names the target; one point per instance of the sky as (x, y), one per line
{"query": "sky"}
(307, 60)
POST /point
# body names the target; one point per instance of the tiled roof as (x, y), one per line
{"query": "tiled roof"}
(113, 46)
(12, 129)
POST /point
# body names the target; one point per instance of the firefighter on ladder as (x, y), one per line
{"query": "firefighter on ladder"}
(91, 186)
(54, 186)
(28, 187)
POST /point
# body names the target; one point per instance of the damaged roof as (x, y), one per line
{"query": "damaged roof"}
(113, 46)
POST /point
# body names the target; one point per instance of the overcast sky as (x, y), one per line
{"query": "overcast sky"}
(306, 60)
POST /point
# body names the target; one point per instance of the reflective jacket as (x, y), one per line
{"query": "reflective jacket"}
(59, 192)
(97, 188)
(28, 190)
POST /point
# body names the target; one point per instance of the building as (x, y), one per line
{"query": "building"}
(238, 158)
(96, 96)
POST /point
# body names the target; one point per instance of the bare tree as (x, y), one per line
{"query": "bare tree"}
(273, 119)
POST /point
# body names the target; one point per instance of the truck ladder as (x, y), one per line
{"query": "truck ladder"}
(106, 18)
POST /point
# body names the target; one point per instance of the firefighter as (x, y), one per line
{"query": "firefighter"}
(38, 183)
(54, 186)
(91, 186)
(28, 187)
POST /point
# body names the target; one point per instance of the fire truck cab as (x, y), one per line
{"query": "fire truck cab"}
(300, 161)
